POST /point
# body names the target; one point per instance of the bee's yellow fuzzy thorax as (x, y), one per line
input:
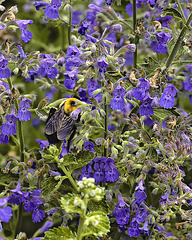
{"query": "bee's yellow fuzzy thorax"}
(70, 105)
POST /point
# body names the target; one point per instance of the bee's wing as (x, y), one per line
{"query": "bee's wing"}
(55, 122)
(66, 128)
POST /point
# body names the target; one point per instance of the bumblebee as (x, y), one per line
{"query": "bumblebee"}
(60, 122)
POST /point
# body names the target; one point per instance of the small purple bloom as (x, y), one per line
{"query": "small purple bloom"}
(38, 215)
(83, 28)
(5, 214)
(52, 10)
(139, 93)
(141, 215)
(160, 46)
(167, 101)
(4, 138)
(42, 143)
(32, 74)
(102, 64)
(134, 230)
(140, 196)
(26, 35)
(118, 101)
(4, 70)
(9, 127)
(48, 224)
(146, 109)
(23, 114)
(89, 146)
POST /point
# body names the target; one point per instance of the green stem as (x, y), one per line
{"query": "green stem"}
(134, 29)
(69, 25)
(177, 44)
(181, 11)
(106, 126)
(19, 124)
(68, 175)
(81, 222)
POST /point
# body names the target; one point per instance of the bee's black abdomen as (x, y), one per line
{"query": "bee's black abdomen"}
(52, 138)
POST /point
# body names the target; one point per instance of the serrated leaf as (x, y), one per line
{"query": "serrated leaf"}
(169, 11)
(61, 233)
(96, 224)
(149, 64)
(160, 114)
(51, 153)
(51, 185)
(181, 51)
(81, 159)
(98, 206)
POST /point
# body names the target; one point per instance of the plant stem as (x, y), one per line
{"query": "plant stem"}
(68, 175)
(134, 29)
(81, 222)
(69, 25)
(106, 126)
(181, 10)
(177, 44)
(19, 124)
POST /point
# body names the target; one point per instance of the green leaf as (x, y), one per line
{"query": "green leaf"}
(149, 64)
(160, 114)
(183, 50)
(169, 11)
(81, 159)
(98, 206)
(51, 153)
(96, 224)
(61, 233)
(51, 185)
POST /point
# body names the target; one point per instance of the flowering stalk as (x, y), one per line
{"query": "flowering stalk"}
(177, 44)
(106, 126)
(20, 128)
(69, 24)
(134, 29)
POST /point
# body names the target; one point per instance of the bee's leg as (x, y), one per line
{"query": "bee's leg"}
(71, 137)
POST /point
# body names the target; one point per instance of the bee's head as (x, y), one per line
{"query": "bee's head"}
(71, 104)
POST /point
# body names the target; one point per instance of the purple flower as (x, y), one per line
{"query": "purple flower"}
(52, 10)
(165, 198)
(16, 197)
(140, 196)
(21, 52)
(76, 17)
(140, 186)
(134, 230)
(165, 21)
(118, 101)
(167, 101)
(89, 146)
(145, 228)
(91, 16)
(146, 109)
(48, 224)
(111, 173)
(32, 74)
(42, 143)
(83, 28)
(152, 2)
(170, 90)
(121, 212)
(141, 215)
(4, 70)
(129, 9)
(99, 173)
(92, 85)
(40, 4)
(23, 114)
(139, 93)
(38, 215)
(73, 51)
(26, 35)
(160, 46)
(46, 67)
(70, 79)
(4, 138)
(102, 64)
(5, 214)
(86, 171)
(9, 127)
